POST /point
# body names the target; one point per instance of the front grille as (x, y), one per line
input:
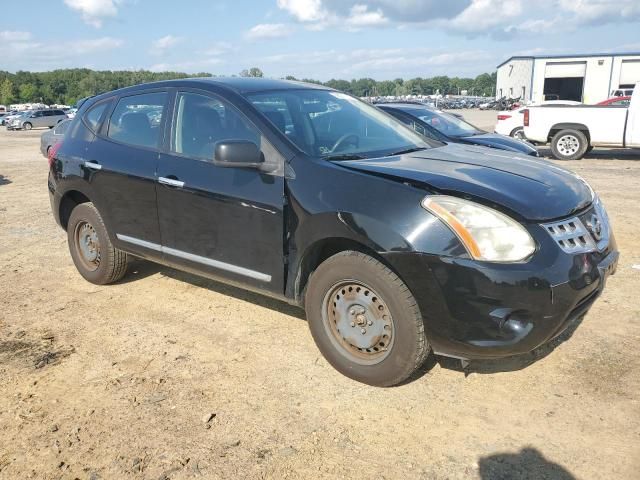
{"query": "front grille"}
(571, 235)
(587, 232)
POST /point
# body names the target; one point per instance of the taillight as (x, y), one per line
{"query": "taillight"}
(53, 151)
(503, 117)
(526, 117)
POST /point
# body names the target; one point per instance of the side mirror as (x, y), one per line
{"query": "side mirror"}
(238, 153)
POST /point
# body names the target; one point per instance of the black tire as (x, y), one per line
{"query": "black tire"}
(569, 144)
(109, 264)
(27, 125)
(402, 329)
(589, 149)
(518, 132)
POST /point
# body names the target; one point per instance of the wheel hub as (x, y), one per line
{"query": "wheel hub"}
(568, 145)
(88, 245)
(359, 321)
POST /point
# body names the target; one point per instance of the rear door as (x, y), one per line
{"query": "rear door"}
(215, 220)
(121, 164)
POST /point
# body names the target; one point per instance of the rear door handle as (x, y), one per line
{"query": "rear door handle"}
(93, 165)
(172, 182)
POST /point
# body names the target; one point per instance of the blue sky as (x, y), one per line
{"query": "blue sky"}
(321, 39)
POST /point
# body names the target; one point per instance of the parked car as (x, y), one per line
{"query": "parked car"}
(444, 127)
(7, 119)
(2, 115)
(37, 119)
(619, 101)
(511, 122)
(573, 131)
(52, 136)
(396, 245)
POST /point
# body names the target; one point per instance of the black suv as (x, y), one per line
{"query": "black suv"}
(396, 245)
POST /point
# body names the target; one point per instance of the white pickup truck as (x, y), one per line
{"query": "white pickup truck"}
(575, 130)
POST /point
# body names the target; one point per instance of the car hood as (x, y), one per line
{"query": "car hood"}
(501, 142)
(533, 188)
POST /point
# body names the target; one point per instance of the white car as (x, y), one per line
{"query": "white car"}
(511, 122)
(574, 130)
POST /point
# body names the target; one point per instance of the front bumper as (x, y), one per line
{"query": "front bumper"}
(476, 310)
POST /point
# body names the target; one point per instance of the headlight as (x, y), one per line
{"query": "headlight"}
(486, 233)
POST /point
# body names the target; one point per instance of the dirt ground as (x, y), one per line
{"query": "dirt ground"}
(167, 375)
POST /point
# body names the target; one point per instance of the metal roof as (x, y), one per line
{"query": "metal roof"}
(577, 55)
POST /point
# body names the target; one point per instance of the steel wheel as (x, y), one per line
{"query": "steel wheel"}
(568, 145)
(358, 322)
(87, 244)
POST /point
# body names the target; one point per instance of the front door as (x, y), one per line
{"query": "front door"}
(224, 222)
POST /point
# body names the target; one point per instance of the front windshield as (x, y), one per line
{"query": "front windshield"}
(446, 123)
(335, 125)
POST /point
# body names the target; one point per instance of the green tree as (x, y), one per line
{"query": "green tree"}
(7, 92)
(28, 92)
(252, 72)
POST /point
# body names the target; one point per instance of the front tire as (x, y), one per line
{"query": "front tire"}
(27, 126)
(569, 145)
(93, 254)
(364, 320)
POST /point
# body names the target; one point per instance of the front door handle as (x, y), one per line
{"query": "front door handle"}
(172, 182)
(93, 165)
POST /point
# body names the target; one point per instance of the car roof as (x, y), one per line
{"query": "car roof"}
(241, 85)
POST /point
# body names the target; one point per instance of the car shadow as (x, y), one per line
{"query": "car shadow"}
(512, 363)
(139, 269)
(4, 180)
(600, 154)
(529, 463)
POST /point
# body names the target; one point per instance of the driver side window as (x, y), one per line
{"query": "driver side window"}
(202, 121)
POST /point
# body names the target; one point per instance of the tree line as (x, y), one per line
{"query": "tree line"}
(69, 85)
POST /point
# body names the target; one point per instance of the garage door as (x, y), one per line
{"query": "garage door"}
(630, 72)
(565, 69)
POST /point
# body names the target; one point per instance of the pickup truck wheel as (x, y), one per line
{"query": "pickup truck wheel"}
(569, 145)
(364, 320)
(91, 250)
(518, 133)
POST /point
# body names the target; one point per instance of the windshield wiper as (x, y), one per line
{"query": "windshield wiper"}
(408, 150)
(345, 156)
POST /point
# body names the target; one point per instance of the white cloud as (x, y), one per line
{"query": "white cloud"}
(268, 30)
(188, 66)
(14, 36)
(601, 11)
(95, 11)
(304, 10)
(486, 15)
(360, 16)
(23, 52)
(161, 45)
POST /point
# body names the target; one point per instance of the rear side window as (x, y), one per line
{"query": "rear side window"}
(93, 116)
(136, 119)
(62, 127)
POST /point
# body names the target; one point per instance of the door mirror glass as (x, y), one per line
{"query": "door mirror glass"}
(237, 153)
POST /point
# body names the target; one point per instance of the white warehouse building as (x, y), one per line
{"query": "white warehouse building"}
(585, 78)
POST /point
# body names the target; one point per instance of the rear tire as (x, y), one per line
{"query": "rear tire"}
(93, 254)
(365, 321)
(569, 145)
(518, 133)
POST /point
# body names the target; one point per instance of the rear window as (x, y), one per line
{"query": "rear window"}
(136, 119)
(93, 116)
